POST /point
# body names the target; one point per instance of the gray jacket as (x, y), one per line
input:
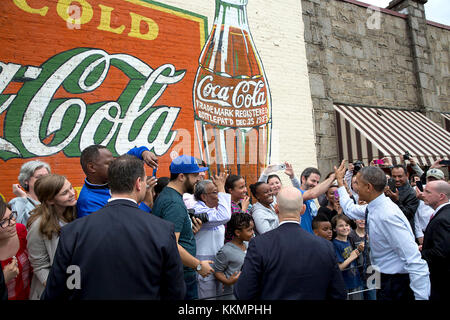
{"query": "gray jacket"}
(41, 252)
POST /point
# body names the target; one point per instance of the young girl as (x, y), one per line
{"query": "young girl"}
(230, 258)
(57, 208)
(240, 201)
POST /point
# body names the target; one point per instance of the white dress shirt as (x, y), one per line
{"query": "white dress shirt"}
(211, 236)
(421, 218)
(392, 244)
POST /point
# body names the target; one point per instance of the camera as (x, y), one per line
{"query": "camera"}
(406, 156)
(202, 216)
(357, 165)
(378, 161)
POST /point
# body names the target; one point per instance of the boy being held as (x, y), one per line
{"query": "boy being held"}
(347, 255)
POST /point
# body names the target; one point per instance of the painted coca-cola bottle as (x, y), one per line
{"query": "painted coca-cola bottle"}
(231, 97)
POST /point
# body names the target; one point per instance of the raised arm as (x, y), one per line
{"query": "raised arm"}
(351, 210)
(321, 188)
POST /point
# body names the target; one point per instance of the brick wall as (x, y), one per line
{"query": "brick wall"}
(51, 107)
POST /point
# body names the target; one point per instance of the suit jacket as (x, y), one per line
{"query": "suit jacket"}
(290, 263)
(436, 251)
(408, 202)
(120, 252)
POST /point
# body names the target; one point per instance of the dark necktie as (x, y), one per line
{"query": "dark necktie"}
(366, 247)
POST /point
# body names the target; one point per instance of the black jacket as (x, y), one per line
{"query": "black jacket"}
(121, 252)
(289, 263)
(436, 251)
(408, 202)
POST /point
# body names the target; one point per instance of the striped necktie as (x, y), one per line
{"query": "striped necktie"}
(366, 247)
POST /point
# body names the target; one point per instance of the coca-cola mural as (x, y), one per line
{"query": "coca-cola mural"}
(126, 73)
(231, 96)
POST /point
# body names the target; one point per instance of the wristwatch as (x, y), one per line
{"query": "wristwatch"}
(199, 267)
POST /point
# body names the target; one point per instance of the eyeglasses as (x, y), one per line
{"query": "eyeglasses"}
(5, 223)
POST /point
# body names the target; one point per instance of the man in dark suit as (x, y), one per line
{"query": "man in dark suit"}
(436, 240)
(288, 262)
(120, 251)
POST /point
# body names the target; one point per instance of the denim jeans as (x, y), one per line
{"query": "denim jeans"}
(190, 278)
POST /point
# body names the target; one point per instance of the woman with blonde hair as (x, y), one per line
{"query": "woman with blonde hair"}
(57, 208)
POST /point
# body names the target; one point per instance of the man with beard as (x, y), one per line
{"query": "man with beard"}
(311, 189)
(184, 174)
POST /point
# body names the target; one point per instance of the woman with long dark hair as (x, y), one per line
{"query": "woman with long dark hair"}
(57, 208)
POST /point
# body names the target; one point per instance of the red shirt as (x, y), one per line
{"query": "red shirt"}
(19, 288)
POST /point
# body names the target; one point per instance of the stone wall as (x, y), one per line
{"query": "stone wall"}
(439, 40)
(363, 55)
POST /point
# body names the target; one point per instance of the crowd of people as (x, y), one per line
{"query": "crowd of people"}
(203, 235)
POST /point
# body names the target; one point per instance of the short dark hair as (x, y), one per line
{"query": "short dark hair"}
(400, 166)
(308, 171)
(412, 176)
(253, 187)
(161, 183)
(229, 183)
(273, 176)
(238, 221)
(339, 216)
(123, 173)
(318, 219)
(90, 154)
(375, 176)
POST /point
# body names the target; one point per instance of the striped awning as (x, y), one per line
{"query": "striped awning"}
(446, 120)
(367, 133)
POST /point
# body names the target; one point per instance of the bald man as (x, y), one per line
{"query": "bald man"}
(436, 239)
(289, 263)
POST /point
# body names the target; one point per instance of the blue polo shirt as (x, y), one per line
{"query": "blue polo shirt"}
(94, 197)
(306, 218)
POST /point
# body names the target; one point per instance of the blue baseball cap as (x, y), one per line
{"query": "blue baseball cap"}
(185, 164)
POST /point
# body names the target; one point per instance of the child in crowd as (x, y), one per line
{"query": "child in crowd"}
(356, 237)
(322, 227)
(230, 258)
(347, 256)
(333, 207)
